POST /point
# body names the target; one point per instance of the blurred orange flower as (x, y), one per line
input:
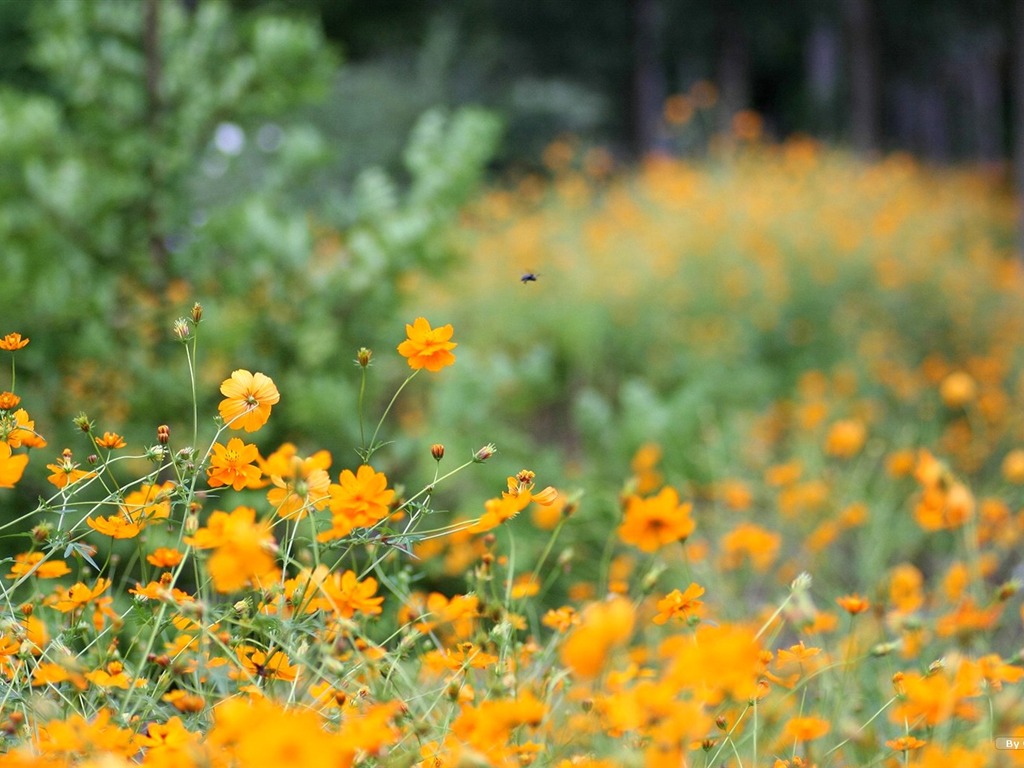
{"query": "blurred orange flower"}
(13, 341)
(651, 523)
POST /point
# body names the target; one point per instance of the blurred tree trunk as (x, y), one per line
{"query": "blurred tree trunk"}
(821, 60)
(647, 82)
(983, 87)
(1017, 81)
(733, 63)
(859, 16)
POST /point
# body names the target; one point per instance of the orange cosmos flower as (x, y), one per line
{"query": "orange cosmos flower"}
(805, 729)
(680, 605)
(77, 595)
(905, 743)
(853, 604)
(302, 484)
(906, 588)
(234, 465)
(748, 540)
(845, 438)
(427, 347)
(248, 400)
(651, 523)
(111, 441)
(958, 389)
(164, 557)
(149, 502)
(66, 472)
(33, 563)
(270, 666)
(1013, 466)
(115, 526)
(242, 548)
(603, 627)
(11, 467)
(8, 401)
(18, 430)
(357, 501)
(12, 342)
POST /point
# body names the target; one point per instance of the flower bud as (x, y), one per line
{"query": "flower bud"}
(182, 329)
(363, 357)
(197, 312)
(82, 422)
(163, 434)
(437, 451)
(485, 453)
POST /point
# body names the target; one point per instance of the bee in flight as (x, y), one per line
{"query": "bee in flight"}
(529, 277)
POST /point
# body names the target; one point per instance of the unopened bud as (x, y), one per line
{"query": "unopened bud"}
(437, 451)
(363, 357)
(197, 312)
(163, 434)
(182, 329)
(485, 453)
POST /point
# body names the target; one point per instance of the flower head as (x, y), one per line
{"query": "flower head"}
(651, 523)
(234, 465)
(12, 341)
(427, 347)
(248, 400)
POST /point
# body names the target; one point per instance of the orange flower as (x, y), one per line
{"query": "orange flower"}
(905, 588)
(750, 540)
(11, 467)
(115, 526)
(111, 441)
(680, 605)
(13, 341)
(66, 472)
(248, 400)
(1013, 466)
(805, 728)
(333, 592)
(164, 557)
(905, 743)
(149, 502)
(234, 465)
(358, 501)
(603, 627)
(651, 523)
(33, 563)
(243, 548)
(845, 438)
(77, 595)
(20, 430)
(427, 347)
(272, 666)
(8, 401)
(958, 389)
(853, 604)
(302, 485)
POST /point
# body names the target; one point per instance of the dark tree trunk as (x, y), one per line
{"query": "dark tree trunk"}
(647, 82)
(1017, 79)
(865, 99)
(733, 64)
(822, 61)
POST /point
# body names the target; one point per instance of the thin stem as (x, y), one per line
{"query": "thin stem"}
(368, 450)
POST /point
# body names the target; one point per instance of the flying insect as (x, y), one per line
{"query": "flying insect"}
(529, 277)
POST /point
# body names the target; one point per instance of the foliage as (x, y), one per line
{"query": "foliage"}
(169, 156)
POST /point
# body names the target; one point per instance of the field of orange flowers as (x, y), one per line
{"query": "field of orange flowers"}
(756, 501)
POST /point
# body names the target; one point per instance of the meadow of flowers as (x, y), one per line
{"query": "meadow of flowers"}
(756, 501)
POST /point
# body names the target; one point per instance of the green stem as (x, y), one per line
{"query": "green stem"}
(368, 450)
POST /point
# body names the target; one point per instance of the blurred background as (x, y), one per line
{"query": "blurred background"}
(750, 221)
